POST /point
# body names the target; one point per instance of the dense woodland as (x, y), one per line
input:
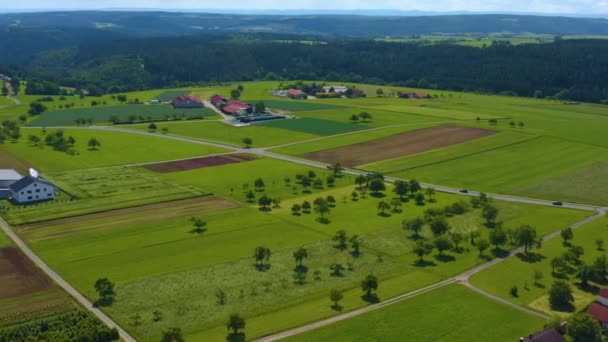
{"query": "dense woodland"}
(567, 69)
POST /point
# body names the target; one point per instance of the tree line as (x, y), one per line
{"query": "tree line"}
(566, 69)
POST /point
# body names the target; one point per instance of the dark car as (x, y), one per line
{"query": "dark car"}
(558, 203)
(464, 191)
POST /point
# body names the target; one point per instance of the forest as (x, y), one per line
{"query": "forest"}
(566, 69)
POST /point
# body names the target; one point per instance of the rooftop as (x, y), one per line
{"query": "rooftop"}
(598, 311)
(9, 174)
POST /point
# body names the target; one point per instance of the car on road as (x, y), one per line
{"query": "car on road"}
(558, 203)
(463, 191)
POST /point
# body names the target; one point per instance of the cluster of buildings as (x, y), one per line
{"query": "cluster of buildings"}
(25, 189)
(231, 107)
(599, 309)
(319, 91)
(418, 95)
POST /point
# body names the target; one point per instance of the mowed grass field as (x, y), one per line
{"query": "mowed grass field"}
(314, 126)
(452, 313)
(296, 105)
(116, 149)
(103, 114)
(157, 261)
(518, 272)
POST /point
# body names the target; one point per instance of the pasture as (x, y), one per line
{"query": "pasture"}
(399, 145)
(451, 313)
(116, 148)
(170, 95)
(97, 190)
(519, 271)
(123, 113)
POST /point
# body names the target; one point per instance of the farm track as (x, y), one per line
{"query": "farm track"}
(62, 283)
(462, 278)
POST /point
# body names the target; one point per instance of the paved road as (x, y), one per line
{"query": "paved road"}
(64, 284)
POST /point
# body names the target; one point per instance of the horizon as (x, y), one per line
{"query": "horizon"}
(585, 8)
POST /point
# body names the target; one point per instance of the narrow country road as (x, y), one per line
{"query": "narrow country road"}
(62, 283)
(14, 99)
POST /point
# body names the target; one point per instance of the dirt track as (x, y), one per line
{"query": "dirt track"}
(19, 276)
(399, 145)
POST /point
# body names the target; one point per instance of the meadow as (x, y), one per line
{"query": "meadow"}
(123, 113)
(296, 105)
(452, 313)
(113, 150)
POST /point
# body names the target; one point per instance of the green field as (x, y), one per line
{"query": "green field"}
(297, 105)
(314, 126)
(452, 313)
(116, 149)
(95, 190)
(170, 95)
(499, 279)
(262, 135)
(103, 114)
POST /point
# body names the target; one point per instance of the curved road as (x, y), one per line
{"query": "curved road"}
(461, 278)
(64, 284)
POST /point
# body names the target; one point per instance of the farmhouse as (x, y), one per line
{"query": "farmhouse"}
(599, 309)
(418, 95)
(187, 101)
(28, 189)
(335, 89)
(218, 100)
(296, 94)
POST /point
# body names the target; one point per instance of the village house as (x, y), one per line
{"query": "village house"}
(296, 94)
(187, 101)
(22, 190)
(418, 95)
(599, 309)
(549, 335)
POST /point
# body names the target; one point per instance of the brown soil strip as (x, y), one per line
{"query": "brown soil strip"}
(19, 276)
(399, 145)
(197, 163)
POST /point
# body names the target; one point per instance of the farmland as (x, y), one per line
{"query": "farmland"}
(96, 190)
(136, 224)
(124, 113)
(462, 312)
(112, 151)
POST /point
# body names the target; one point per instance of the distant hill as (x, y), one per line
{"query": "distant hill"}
(139, 23)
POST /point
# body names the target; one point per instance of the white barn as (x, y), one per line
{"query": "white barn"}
(23, 190)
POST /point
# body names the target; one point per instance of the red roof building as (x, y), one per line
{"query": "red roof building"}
(187, 101)
(234, 107)
(296, 94)
(218, 99)
(600, 313)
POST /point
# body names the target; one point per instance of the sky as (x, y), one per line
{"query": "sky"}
(587, 7)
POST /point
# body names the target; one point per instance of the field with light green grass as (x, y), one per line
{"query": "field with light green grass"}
(124, 113)
(170, 95)
(315, 126)
(113, 150)
(519, 272)
(296, 105)
(262, 135)
(452, 313)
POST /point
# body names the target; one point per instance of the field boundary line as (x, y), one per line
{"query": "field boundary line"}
(64, 284)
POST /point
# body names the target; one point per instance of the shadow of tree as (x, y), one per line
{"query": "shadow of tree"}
(530, 257)
(371, 298)
(337, 307)
(444, 257)
(262, 267)
(424, 263)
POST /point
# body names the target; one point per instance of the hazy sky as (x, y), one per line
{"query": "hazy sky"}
(542, 6)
